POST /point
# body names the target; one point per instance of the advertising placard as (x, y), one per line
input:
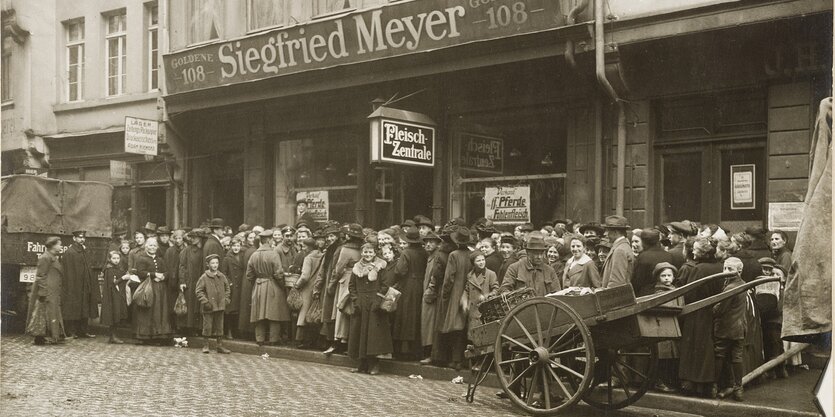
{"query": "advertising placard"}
(141, 136)
(120, 172)
(743, 188)
(313, 205)
(785, 216)
(508, 205)
(480, 153)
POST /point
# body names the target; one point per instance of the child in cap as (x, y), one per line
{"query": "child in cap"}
(214, 294)
(729, 328)
(665, 273)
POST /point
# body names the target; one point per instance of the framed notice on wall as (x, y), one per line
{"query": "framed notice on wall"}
(508, 205)
(312, 205)
(743, 187)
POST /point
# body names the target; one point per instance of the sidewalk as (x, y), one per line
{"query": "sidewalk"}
(790, 397)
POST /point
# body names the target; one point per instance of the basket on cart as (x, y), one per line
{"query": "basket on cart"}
(497, 307)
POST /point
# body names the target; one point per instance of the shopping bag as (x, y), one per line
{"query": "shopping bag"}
(294, 299)
(144, 294)
(346, 306)
(314, 312)
(38, 321)
(180, 306)
(390, 298)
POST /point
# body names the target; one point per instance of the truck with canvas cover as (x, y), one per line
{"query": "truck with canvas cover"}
(34, 208)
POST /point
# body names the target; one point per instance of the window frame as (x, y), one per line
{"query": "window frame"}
(190, 42)
(152, 11)
(6, 77)
(79, 46)
(249, 29)
(121, 36)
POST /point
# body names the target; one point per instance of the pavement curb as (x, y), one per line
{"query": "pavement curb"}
(675, 403)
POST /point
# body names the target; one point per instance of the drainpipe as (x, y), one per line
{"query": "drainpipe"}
(570, 20)
(600, 71)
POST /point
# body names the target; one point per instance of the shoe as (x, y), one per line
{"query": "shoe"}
(329, 351)
(86, 336)
(206, 349)
(115, 341)
(259, 343)
(737, 395)
(426, 361)
(375, 370)
(221, 349)
(503, 395)
(714, 392)
(455, 365)
(357, 371)
(662, 387)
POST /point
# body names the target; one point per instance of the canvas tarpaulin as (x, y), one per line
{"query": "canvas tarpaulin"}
(44, 205)
(807, 302)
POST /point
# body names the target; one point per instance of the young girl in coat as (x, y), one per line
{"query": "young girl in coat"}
(481, 284)
(114, 305)
(214, 294)
(370, 336)
(665, 273)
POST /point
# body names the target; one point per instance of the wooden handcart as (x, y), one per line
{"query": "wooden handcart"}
(550, 352)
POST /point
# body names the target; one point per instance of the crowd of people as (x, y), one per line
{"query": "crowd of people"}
(329, 286)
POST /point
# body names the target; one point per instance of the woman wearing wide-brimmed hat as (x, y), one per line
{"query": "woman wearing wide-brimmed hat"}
(410, 270)
(455, 277)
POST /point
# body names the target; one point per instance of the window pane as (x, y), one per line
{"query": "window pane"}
(265, 13)
(330, 6)
(205, 17)
(153, 17)
(75, 31)
(116, 23)
(6, 82)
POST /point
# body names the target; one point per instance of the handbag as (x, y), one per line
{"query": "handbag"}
(390, 298)
(346, 306)
(294, 299)
(180, 306)
(144, 294)
(38, 321)
(314, 312)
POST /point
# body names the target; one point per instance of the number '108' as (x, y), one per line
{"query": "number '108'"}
(503, 15)
(191, 75)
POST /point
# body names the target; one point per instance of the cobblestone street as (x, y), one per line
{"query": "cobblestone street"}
(91, 377)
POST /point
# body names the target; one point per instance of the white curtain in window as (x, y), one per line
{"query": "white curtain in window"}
(205, 20)
(265, 13)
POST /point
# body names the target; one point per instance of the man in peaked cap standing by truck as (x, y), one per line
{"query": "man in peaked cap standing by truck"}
(81, 296)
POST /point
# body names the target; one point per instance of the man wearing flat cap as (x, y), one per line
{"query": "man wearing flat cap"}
(653, 254)
(81, 296)
(532, 271)
(679, 231)
(617, 270)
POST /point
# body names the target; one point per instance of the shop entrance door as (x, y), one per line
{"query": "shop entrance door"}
(401, 193)
(152, 202)
(713, 182)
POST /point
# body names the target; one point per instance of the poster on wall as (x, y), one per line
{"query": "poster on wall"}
(141, 136)
(785, 216)
(480, 153)
(312, 206)
(743, 187)
(508, 205)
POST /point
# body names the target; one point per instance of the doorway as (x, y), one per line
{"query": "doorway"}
(153, 207)
(400, 193)
(712, 182)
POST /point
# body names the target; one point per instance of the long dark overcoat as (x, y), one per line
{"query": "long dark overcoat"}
(410, 271)
(81, 296)
(152, 322)
(114, 304)
(455, 277)
(245, 296)
(696, 346)
(642, 280)
(370, 327)
(191, 268)
(233, 267)
(48, 280)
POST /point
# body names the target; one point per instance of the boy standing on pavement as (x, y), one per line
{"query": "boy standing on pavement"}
(729, 328)
(213, 292)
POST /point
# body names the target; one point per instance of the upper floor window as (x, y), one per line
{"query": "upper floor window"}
(75, 60)
(6, 70)
(324, 7)
(116, 54)
(265, 13)
(205, 18)
(153, 47)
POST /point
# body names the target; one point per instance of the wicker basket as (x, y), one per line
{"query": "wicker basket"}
(495, 308)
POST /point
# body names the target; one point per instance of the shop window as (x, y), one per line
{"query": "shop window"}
(116, 54)
(121, 209)
(205, 20)
(325, 163)
(521, 151)
(152, 16)
(75, 60)
(265, 13)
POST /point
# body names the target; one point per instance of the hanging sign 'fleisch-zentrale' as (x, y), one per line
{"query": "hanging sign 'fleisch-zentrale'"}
(402, 137)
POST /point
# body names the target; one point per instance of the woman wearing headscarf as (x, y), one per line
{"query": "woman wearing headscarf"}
(152, 324)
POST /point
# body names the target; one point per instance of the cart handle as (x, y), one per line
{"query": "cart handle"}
(714, 299)
(659, 299)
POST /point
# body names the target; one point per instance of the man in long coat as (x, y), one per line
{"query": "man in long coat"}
(47, 291)
(269, 299)
(410, 271)
(172, 265)
(653, 254)
(191, 267)
(81, 298)
(212, 246)
(454, 321)
(617, 270)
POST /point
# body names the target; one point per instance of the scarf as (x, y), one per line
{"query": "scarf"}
(370, 269)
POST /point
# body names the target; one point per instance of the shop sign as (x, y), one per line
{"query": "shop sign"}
(120, 172)
(785, 216)
(402, 137)
(141, 136)
(480, 153)
(397, 29)
(312, 205)
(743, 187)
(507, 205)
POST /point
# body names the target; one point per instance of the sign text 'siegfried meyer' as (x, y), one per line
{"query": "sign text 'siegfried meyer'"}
(392, 30)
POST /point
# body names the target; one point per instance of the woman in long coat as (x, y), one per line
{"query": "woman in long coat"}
(455, 277)
(580, 271)
(310, 269)
(436, 269)
(370, 335)
(234, 269)
(114, 304)
(245, 291)
(191, 268)
(410, 270)
(47, 291)
(348, 256)
(325, 286)
(152, 323)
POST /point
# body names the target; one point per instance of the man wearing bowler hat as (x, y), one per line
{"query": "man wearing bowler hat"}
(213, 245)
(532, 271)
(617, 270)
(81, 296)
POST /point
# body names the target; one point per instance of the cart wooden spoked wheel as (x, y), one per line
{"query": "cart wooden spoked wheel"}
(544, 356)
(622, 376)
